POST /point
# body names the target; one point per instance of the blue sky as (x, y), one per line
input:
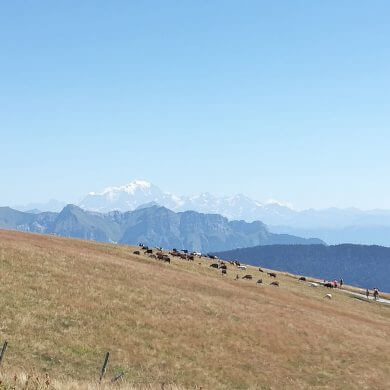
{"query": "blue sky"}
(283, 99)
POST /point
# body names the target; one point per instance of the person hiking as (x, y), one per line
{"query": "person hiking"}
(341, 282)
(376, 293)
(367, 293)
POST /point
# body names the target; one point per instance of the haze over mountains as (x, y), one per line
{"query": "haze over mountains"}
(333, 225)
(154, 226)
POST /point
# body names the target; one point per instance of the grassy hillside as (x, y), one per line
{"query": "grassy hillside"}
(65, 302)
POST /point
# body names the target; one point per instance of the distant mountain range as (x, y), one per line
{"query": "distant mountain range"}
(155, 226)
(332, 225)
(359, 265)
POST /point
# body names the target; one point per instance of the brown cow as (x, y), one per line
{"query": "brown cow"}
(272, 274)
(274, 284)
(249, 277)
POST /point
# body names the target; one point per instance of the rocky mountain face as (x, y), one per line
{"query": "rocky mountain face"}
(359, 265)
(155, 226)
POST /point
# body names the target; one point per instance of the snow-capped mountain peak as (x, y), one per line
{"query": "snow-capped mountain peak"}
(138, 192)
(129, 188)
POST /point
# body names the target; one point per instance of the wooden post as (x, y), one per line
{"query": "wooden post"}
(104, 366)
(116, 378)
(3, 351)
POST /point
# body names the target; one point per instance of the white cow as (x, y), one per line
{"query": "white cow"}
(329, 296)
(243, 267)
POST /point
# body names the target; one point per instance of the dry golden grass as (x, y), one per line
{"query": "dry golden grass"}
(65, 302)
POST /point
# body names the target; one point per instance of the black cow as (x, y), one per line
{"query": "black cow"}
(215, 265)
(249, 277)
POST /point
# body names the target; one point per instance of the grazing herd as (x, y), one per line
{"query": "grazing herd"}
(158, 254)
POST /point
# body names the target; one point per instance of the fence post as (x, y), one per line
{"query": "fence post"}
(3, 351)
(104, 366)
(117, 377)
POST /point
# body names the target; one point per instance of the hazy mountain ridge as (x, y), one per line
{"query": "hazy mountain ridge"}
(139, 192)
(361, 265)
(332, 225)
(360, 235)
(156, 226)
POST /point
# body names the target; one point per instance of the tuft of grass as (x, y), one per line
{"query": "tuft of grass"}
(64, 303)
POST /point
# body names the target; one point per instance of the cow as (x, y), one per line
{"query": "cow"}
(214, 265)
(223, 266)
(312, 284)
(328, 296)
(272, 274)
(243, 267)
(260, 270)
(224, 272)
(276, 284)
(149, 251)
(166, 259)
(329, 285)
(249, 277)
(191, 257)
(302, 278)
(137, 252)
(259, 281)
